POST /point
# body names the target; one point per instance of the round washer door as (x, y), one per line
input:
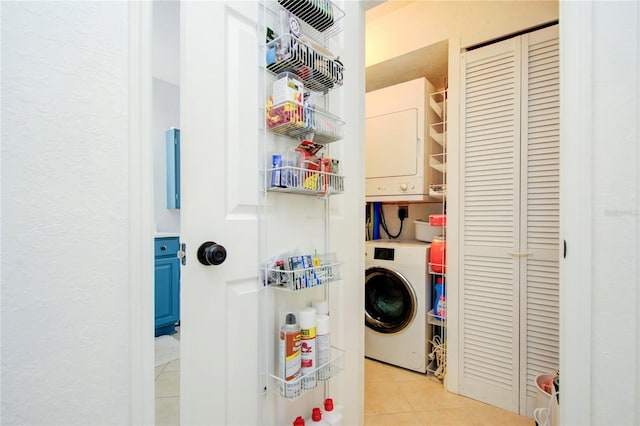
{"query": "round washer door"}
(390, 301)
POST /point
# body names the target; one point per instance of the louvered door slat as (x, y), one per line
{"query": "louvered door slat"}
(540, 232)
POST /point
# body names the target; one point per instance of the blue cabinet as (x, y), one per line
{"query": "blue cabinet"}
(172, 140)
(167, 285)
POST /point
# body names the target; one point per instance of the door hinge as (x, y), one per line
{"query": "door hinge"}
(182, 253)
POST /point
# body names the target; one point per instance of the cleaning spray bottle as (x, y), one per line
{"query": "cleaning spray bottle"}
(290, 359)
(323, 347)
(316, 418)
(331, 415)
(440, 302)
(308, 348)
(299, 421)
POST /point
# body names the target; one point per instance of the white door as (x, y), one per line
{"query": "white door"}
(222, 369)
(219, 112)
(490, 131)
(510, 212)
(540, 207)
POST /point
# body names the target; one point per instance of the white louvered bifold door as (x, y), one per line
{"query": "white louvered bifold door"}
(539, 344)
(510, 219)
(490, 129)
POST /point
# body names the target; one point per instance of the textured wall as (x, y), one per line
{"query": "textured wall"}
(65, 296)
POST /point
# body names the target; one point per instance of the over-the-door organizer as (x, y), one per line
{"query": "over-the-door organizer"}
(300, 73)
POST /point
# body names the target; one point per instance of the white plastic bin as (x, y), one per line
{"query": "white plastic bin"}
(425, 232)
(546, 412)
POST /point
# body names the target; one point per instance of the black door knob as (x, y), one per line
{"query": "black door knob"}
(211, 253)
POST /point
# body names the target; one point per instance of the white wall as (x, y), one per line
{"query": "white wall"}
(422, 23)
(165, 68)
(65, 219)
(166, 114)
(165, 61)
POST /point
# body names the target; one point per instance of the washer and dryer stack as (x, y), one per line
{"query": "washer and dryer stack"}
(397, 299)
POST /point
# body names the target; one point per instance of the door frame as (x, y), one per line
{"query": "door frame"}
(141, 218)
(573, 47)
(576, 136)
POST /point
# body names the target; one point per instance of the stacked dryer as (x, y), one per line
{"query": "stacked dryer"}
(396, 302)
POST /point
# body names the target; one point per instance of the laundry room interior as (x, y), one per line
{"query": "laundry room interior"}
(462, 200)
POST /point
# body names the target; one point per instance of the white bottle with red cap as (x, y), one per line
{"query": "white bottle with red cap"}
(299, 421)
(331, 414)
(316, 418)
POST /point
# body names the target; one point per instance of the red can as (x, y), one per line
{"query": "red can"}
(438, 254)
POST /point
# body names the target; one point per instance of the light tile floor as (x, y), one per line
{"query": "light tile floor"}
(168, 391)
(168, 394)
(393, 396)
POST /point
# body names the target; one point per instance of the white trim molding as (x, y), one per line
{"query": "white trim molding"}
(575, 210)
(141, 221)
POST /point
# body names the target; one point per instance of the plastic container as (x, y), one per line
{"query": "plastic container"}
(331, 415)
(425, 232)
(438, 254)
(438, 220)
(322, 307)
(547, 411)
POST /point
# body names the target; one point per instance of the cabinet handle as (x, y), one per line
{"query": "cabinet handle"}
(519, 254)
(163, 248)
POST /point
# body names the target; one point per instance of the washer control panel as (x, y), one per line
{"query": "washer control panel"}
(383, 253)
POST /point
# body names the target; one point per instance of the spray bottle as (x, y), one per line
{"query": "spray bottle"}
(440, 302)
(290, 357)
(316, 418)
(331, 415)
(323, 347)
(308, 348)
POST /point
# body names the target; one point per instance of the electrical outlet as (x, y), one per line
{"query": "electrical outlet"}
(403, 212)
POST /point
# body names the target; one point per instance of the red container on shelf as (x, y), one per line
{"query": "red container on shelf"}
(438, 220)
(438, 254)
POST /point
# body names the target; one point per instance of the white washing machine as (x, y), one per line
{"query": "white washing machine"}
(396, 302)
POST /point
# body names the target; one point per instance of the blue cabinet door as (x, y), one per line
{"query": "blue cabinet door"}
(167, 285)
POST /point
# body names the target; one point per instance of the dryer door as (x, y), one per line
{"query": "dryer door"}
(390, 301)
